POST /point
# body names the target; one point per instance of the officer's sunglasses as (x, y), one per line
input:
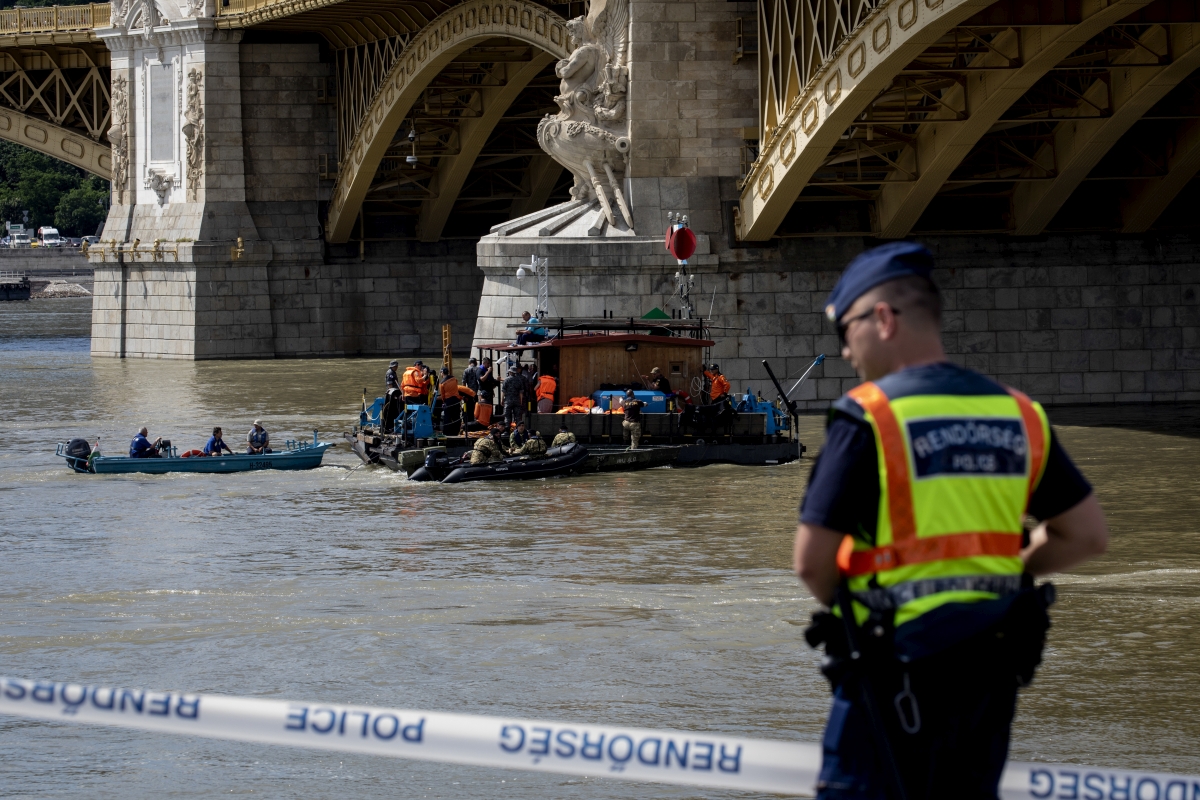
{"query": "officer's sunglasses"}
(843, 327)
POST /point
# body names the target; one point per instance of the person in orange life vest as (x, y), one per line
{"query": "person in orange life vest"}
(720, 385)
(414, 385)
(448, 401)
(911, 532)
(545, 389)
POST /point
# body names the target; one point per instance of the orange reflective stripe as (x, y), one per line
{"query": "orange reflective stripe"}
(935, 548)
(895, 460)
(1035, 437)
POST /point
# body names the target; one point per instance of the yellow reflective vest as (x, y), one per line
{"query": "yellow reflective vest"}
(956, 472)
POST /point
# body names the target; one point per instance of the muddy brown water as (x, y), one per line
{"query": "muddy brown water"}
(661, 599)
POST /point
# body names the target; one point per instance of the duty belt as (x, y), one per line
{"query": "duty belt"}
(892, 597)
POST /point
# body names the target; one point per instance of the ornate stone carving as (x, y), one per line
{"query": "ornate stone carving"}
(118, 136)
(193, 131)
(161, 182)
(589, 135)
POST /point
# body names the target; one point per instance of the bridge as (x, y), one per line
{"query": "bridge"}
(939, 116)
(306, 177)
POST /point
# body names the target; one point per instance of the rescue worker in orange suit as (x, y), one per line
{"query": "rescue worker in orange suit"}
(911, 532)
(449, 402)
(545, 389)
(413, 387)
(719, 384)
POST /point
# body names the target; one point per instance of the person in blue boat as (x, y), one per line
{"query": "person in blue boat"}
(258, 439)
(141, 447)
(216, 444)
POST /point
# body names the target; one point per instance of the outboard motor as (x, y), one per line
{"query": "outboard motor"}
(78, 448)
(76, 453)
(436, 467)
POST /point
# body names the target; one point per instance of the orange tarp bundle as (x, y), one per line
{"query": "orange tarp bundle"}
(578, 405)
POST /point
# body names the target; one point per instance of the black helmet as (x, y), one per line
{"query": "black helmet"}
(714, 368)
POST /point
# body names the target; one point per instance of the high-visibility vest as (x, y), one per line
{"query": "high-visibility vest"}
(955, 476)
(545, 387)
(413, 383)
(720, 385)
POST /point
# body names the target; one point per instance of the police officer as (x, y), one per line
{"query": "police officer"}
(911, 532)
(390, 381)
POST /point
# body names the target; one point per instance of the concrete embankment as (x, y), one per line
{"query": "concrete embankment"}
(52, 272)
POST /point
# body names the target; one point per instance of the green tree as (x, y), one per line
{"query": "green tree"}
(81, 210)
(37, 183)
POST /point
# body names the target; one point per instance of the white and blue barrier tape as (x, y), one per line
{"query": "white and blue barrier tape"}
(636, 754)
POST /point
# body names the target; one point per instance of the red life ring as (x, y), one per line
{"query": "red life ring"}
(191, 453)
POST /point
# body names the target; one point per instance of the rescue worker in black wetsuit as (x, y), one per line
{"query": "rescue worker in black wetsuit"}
(911, 531)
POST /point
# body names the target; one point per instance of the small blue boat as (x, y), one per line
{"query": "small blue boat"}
(298, 455)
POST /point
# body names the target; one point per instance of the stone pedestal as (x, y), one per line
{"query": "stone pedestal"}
(686, 115)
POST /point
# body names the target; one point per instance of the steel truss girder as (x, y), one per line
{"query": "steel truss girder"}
(426, 56)
(938, 151)
(1080, 145)
(60, 106)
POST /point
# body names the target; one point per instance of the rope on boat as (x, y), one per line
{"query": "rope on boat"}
(634, 754)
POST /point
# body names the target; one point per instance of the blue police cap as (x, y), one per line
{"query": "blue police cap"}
(873, 267)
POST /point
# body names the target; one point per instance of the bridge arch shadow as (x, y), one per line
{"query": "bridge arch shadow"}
(426, 55)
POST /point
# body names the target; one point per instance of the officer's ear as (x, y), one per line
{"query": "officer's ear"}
(886, 318)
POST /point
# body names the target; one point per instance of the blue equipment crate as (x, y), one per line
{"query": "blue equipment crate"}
(656, 402)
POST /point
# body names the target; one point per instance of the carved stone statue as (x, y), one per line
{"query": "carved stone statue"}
(193, 132)
(118, 136)
(589, 134)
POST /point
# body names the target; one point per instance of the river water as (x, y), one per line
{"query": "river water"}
(659, 599)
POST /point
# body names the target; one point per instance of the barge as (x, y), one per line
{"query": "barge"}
(598, 360)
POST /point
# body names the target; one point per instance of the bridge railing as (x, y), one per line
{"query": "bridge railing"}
(229, 7)
(54, 19)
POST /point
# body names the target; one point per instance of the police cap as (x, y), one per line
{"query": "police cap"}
(873, 267)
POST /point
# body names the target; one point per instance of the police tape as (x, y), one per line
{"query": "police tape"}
(636, 754)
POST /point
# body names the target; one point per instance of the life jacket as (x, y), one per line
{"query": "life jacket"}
(720, 385)
(483, 413)
(546, 386)
(465, 391)
(956, 472)
(413, 383)
(448, 389)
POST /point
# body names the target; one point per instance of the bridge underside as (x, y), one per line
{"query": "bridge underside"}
(944, 117)
(54, 98)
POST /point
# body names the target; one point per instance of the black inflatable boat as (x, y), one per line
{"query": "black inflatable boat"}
(557, 461)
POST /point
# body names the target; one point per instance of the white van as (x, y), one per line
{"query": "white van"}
(49, 237)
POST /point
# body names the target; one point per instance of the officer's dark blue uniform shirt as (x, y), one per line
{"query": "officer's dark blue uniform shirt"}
(140, 447)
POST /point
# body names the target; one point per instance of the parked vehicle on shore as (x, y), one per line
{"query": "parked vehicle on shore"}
(50, 237)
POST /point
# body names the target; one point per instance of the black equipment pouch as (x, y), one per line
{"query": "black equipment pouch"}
(1022, 633)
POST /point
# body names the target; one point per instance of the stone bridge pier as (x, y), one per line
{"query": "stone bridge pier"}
(331, 177)
(214, 246)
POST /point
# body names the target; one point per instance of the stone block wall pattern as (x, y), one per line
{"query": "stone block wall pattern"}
(1067, 319)
(285, 129)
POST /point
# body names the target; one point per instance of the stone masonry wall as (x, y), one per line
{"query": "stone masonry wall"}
(688, 106)
(286, 127)
(393, 303)
(159, 315)
(1067, 319)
